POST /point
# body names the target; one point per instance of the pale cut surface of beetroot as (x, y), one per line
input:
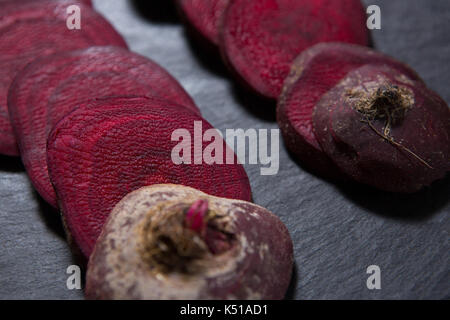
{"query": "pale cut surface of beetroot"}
(47, 89)
(205, 16)
(257, 265)
(260, 39)
(107, 148)
(37, 29)
(360, 150)
(314, 72)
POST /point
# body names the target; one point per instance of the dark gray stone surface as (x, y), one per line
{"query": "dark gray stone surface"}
(338, 231)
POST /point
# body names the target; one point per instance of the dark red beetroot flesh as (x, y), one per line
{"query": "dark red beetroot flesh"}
(104, 149)
(313, 73)
(385, 130)
(47, 89)
(205, 16)
(38, 28)
(150, 249)
(260, 39)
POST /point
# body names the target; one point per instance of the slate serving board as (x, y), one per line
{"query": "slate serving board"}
(338, 230)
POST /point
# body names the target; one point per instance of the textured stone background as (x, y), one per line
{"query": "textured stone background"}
(338, 230)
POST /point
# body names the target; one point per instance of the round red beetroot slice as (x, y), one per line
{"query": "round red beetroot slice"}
(314, 72)
(37, 29)
(107, 148)
(260, 39)
(205, 16)
(47, 89)
(385, 130)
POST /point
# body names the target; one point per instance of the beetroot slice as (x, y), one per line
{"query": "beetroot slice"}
(260, 39)
(38, 28)
(47, 89)
(314, 72)
(205, 16)
(255, 261)
(358, 147)
(107, 148)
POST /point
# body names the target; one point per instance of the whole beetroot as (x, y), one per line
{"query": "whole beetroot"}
(175, 242)
(385, 130)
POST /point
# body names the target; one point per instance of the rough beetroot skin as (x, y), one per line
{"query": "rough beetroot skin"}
(260, 39)
(146, 251)
(47, 89)
(418, 150)
(313, 73)
(37, 28)
(205, 16)
(107, 148)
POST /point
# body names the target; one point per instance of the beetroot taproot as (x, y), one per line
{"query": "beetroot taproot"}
(205, 16)
(260, 39)
(313, 73)
(385, 130)
(38, 28)
(149, 249)
(47, 89)
(109, 147)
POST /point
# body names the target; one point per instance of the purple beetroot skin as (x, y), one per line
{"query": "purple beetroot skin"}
(385, 130)
(314, 72)
(107, 148)
(38, 28)
(50, 87)
(174, 242)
